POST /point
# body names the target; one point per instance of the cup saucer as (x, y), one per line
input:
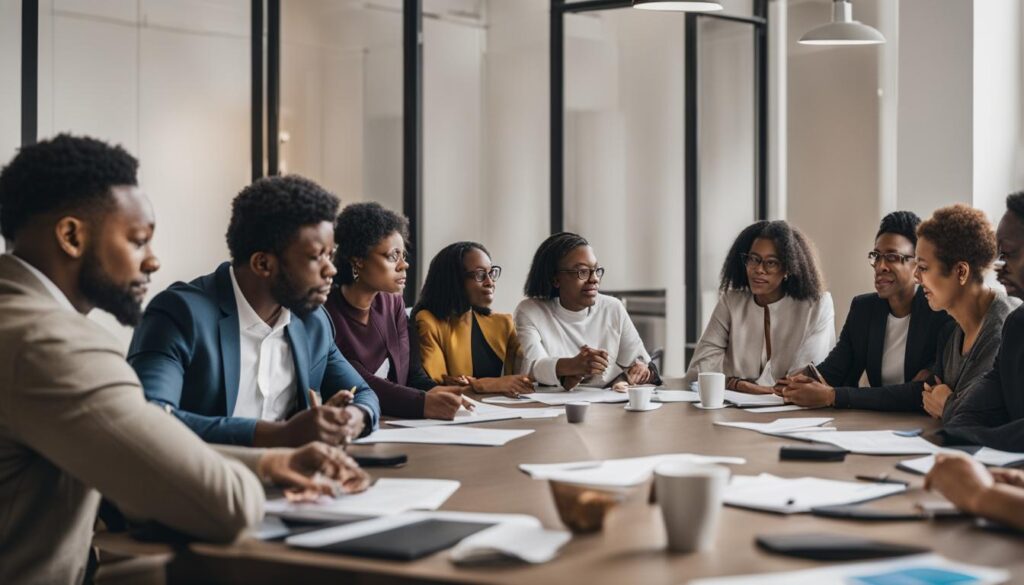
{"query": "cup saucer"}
(651, 406)
(702, 407)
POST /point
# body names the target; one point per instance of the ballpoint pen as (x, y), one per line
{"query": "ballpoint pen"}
(884, 478)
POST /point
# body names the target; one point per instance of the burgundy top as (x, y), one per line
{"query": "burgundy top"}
(386, 335)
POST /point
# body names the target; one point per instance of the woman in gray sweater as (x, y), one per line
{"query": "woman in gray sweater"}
(955, 248)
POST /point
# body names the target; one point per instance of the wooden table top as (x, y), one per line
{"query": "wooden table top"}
(631, 548)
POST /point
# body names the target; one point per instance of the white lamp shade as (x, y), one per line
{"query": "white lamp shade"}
(677, 5)
(842, 33)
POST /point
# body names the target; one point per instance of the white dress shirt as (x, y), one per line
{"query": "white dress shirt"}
(802, 332)
(266, 380)
(548, 332)
(894, 352)
(48, 284)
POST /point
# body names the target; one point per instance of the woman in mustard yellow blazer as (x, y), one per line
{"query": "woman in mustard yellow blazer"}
(461, 340)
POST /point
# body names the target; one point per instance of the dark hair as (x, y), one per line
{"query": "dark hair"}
(1015, 203)
(444, 292)
(65, 173)
(360, 227)
(539, 282)
(803, 280)
(901, 223)
(267, 215)
(961, 234)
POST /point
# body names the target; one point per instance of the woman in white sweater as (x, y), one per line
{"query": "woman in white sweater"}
(773, 318)
(569, 333)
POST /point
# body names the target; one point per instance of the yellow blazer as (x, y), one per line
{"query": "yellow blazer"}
(446, 344)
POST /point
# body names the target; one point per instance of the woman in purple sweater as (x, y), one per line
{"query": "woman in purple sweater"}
(371, 327)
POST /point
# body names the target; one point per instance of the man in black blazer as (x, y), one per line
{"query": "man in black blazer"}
(862, 343)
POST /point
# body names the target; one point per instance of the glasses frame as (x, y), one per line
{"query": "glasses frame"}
(481, 275)
(874, 257)
(584, 274)
(749, 259)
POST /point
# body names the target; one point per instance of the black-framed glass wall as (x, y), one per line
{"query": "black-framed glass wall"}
(688, 89)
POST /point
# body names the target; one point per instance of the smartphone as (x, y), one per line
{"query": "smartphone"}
(381, 460)
(812, 371)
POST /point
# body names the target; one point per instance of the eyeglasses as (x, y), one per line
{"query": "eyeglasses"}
(585, 273)
(1000, 262)
(395, 255)
(890, 258)
(480, 274)
(770, 265)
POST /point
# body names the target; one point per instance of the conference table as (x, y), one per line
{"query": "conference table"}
(632, 547)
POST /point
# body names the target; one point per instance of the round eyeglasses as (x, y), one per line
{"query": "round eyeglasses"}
(481, 275)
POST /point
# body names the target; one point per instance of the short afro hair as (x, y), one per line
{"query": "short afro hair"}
(540, 279)
(64, 174)
(799, 260)
(901, 223)
(444, 290)
(267, 215)
(961, 233)
(1015, 203)
(360, 227)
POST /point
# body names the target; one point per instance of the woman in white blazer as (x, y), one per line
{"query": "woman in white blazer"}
(773, 317)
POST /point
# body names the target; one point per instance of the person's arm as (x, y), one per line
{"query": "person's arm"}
(431, 352)
(837, 366)
(632, 352)
(972, 488)
(536, 361)
(80, 406)
(820, 339)
(160, 353)
(340, 375)
(710, 351)
(395, 399)
(408, 341)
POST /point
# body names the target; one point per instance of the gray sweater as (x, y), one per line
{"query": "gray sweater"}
(959, 371)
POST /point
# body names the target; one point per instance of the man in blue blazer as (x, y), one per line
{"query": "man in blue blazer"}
(246, 355)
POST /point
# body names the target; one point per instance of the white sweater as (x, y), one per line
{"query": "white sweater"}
(802, 332)
(549, 332)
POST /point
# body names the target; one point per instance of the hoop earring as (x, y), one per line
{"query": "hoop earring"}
(355, 274)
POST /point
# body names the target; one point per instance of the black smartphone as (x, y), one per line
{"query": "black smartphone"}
(381, 460)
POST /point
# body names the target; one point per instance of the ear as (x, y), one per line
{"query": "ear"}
(72, 236)
(262, 264)
(963, 272)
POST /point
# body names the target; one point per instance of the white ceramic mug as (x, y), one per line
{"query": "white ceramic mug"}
(711, 386)
(639, 397)
(690, 496)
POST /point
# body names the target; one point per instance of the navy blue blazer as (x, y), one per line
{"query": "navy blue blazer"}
(187, 353)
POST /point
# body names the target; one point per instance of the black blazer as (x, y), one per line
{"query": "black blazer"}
(862, 341)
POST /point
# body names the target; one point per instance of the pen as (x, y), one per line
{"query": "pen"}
(882, 479)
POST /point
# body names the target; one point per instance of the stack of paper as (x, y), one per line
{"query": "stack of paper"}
(386, 497)
(445, 435)
(744, 400)
(596, 395)
(870, 442)
(917, 570)
(661, 395)
(985, 455)
(615, 473)
(481, 413)
(770, 493)
(783, 425)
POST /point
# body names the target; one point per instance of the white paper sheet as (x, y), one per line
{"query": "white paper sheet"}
(480, 414)
(770, 493)
(899, 570)
(446, 435)
(335, 534)
(386, 497)
(675, 396)
(871, 442)
(782, 425)
(532, 544)
(783, 408)
(743, 399)
(985, 455)
(595, 395)
(615, 473)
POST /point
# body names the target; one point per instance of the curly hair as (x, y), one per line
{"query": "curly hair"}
(443, 293)
(961, 233)
(360, 227)
(901, 223)
(266, 216)
(1015, 203)
(799, 260)
(540, 279)
(64, 174)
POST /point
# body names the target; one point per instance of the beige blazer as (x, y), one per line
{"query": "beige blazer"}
(74, 424)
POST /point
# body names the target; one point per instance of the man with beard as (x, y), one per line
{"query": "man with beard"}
(246, 355)
(74, 423)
